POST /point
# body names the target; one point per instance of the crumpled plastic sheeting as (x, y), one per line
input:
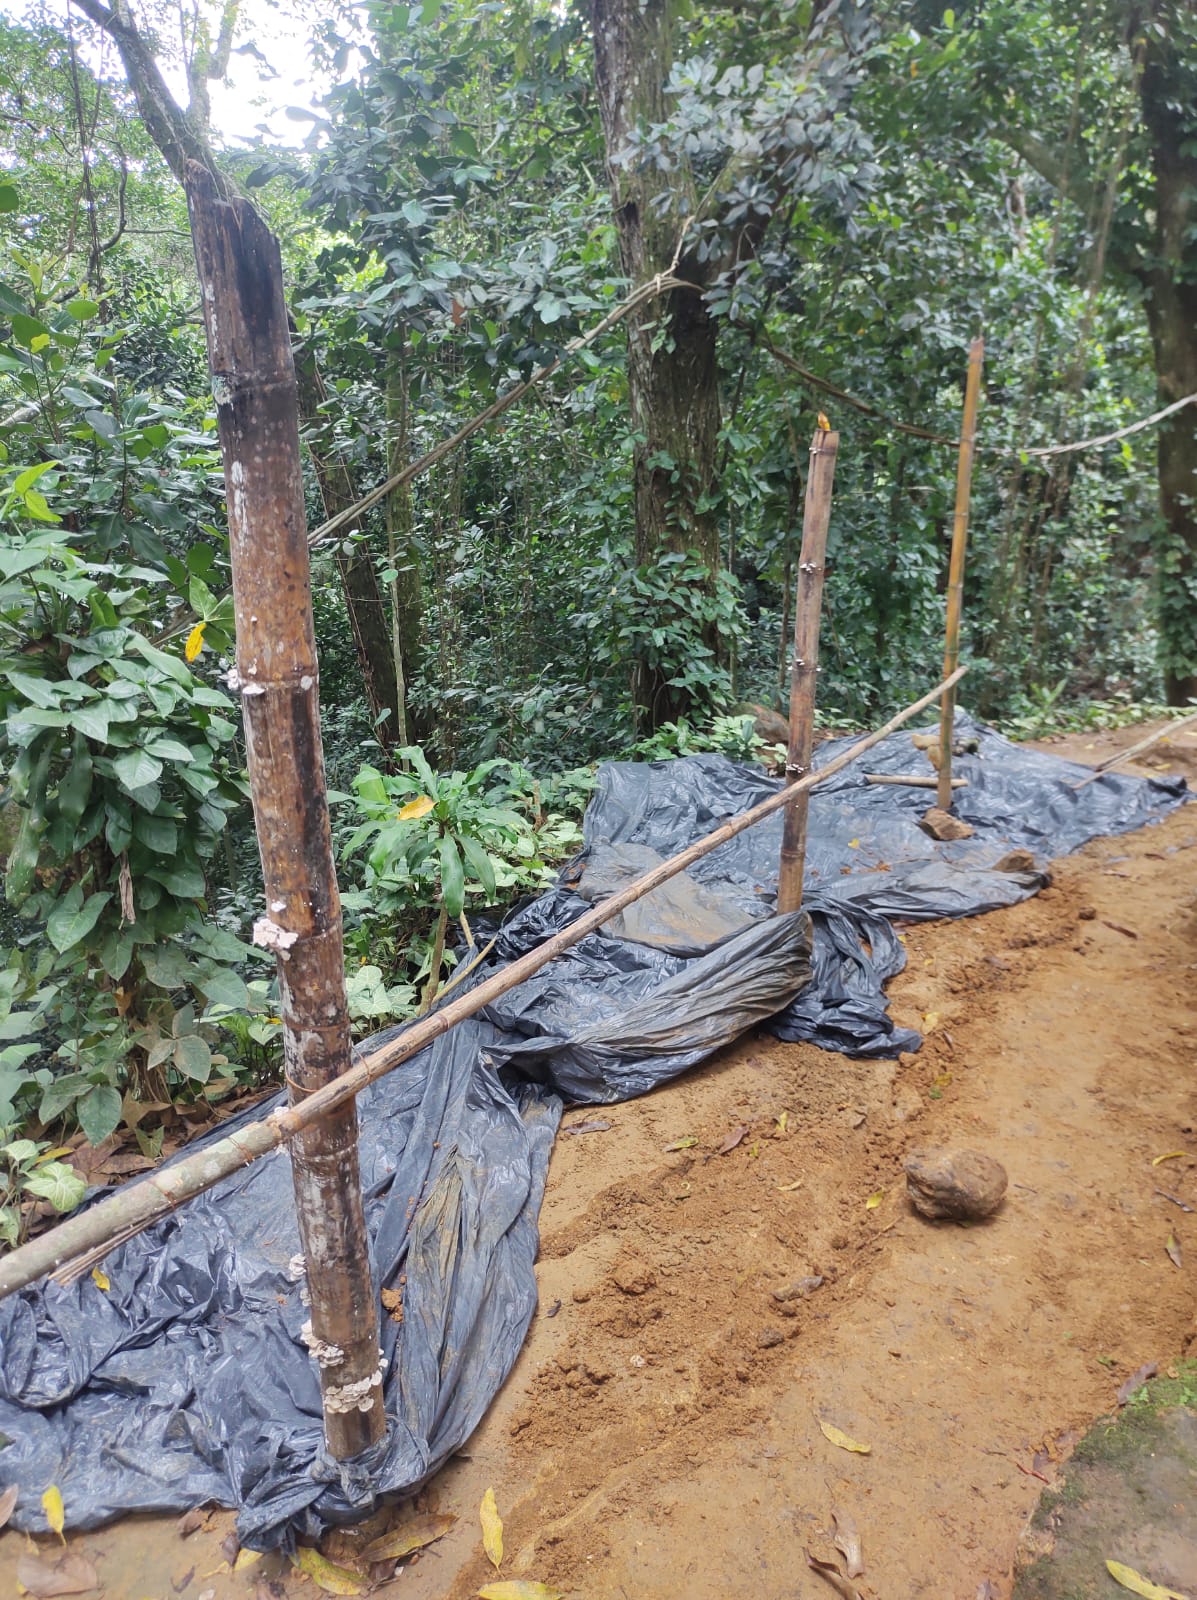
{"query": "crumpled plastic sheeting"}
(187, 1380)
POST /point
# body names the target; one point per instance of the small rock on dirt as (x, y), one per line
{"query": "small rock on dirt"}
(631, 1276)
(943, 825)
(768, 1337)
(958, 1185)
(799, 1289)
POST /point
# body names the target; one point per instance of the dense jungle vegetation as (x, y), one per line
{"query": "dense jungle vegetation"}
(841, 195)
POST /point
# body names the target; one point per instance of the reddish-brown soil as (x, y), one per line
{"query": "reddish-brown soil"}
(660, 1436)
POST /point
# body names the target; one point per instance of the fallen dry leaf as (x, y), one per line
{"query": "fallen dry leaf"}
(492, 1529)
(1175, 1199)
(55, 1512)
(1118, 928)
(788, 1188)
(687, 1143)
(1137, 1584)
(413, 1535)
(246, 1559)
(1173, 1155)
(840, 1439)
(589, 1127)
(189, 1522)
(847, 1541)
(1136, 1381)
(931, 1021)
(101, 1279)
(8, 1502)
(70, 1574)
(874, 1200)
(783, 1122)
(1173, 1250)
(324, 1573)
(519, 1589)
(230, 1548)
(833, 1575)
(732, 1140)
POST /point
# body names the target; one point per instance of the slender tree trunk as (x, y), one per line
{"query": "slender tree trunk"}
(673, 378)
(253, 381)
(406, 588)
(359, 578)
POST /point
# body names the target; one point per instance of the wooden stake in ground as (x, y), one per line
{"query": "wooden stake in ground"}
(253, 380)
(964, 484)
(87, 1236)
(805, 667)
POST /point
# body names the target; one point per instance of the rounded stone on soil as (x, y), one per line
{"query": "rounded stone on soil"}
(956, 1185)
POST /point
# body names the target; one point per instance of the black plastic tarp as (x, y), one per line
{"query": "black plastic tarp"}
(187, 1381)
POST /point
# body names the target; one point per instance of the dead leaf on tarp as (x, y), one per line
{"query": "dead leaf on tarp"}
(8, 1503)
(246, 1559)
(326, 1574)
(687, 1143)
(847, 1541)
(1136, 1381)
(1137, 1584)
(55, 1512)
(413, 1535)
(1172, 1155)
(519, 1589)
(732, 1140)
(101, 1280)
(492, 1529)
(841, 1440)
(833, 1575)
(70, 1574)
(589, 1127)
(1173, 1250)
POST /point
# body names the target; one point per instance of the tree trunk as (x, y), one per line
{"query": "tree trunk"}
(359, 578)
(672, 370)
(1170, 282)
(253, 380)
(407, 586)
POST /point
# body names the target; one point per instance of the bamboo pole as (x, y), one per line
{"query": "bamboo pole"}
(804, 670)
(162, 1192)
(1135, 750)
(910, 781)
(964, 482)
(254, 383)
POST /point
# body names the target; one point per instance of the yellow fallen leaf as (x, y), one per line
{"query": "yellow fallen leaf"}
(101, 1279)
(195, 641)
(519, 1589)
(492, 1529)
(55, 1512)
(687, 1143)
(332, 1579)
(853, 844)
(413, 1535)
(931, 1021)
(834, 1436)
(1173, 1155)
(246, 1559)
(788, 1188)
(783, 1122)
(874, 1200)
(56, 1154)
(1130, 1579)
(414, 809)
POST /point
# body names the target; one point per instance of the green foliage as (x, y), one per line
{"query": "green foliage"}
(731, 736)
(31, 1171)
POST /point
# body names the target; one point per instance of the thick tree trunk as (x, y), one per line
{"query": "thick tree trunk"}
(1170, 282)
(253, 381)
(359, 578)
(673, 378)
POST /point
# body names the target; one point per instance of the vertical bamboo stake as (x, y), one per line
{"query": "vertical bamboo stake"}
(808, 604)
(253, 381)
(964, 483)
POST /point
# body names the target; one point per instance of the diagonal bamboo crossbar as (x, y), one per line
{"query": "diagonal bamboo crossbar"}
(145, 1202)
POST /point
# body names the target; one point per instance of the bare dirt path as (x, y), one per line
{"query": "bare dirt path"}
(660, 1434)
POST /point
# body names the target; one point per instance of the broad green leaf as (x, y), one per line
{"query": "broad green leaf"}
(480, 864)
(99, 1111)
(91, 721)
(59, 1184)
(74, 788)
(157, 833)
(73, 918)
(60, 1094)
(167, 966)
(223, 988)
(452, 878)
(82, 310)
(137, 769)
(193, 1058)
(38, 690)
(169, 749)
(9, 198)
(185, 879)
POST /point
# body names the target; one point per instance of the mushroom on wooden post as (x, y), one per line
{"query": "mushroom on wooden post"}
(253, 380)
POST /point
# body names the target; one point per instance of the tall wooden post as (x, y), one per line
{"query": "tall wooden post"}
(253, 380)
(804, 669)
(964, 484)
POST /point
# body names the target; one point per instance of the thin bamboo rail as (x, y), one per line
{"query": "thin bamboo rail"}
(156, 1196)
(1134, 750)
(964, 482)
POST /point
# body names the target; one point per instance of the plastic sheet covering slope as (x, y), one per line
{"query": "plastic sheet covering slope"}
(187, 1381)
